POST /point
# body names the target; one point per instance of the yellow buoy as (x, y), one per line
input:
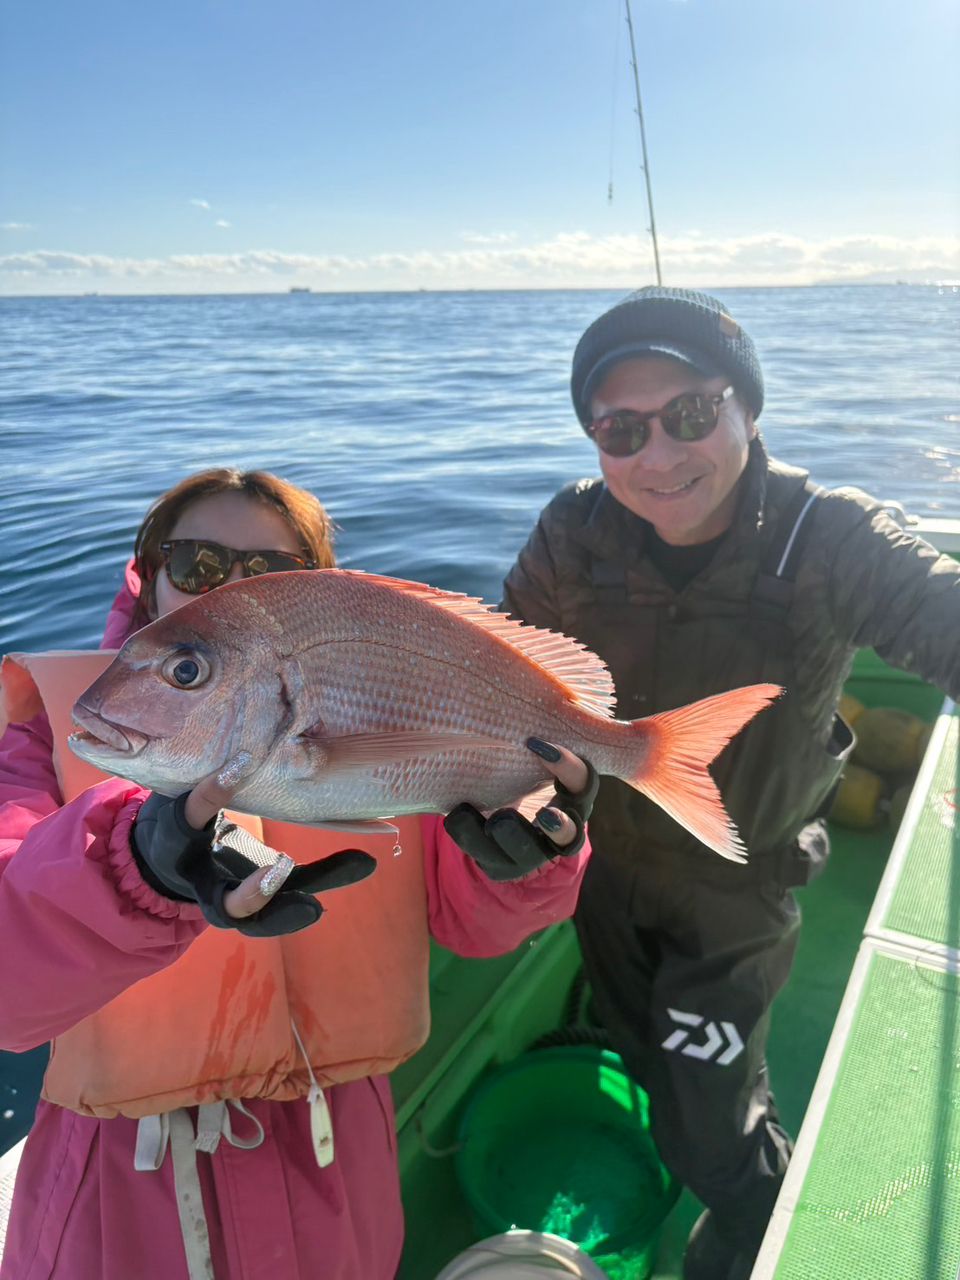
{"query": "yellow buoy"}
(857, 802)
(887, 739)
(850, 708)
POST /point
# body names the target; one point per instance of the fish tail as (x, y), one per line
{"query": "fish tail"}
(679, 746)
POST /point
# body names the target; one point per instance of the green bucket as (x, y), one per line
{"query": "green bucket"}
(559, 1141)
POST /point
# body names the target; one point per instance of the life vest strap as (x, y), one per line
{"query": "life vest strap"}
(321, 1126)
(175, 1129)
(321, 1122)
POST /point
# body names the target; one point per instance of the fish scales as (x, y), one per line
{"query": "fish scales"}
(358, 696)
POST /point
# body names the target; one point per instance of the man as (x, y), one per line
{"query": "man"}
(697, 565)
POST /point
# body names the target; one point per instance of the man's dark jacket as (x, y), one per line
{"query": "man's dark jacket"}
(856, 579)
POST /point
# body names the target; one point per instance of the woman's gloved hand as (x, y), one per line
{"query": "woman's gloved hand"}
(186, 851)
(506, 846)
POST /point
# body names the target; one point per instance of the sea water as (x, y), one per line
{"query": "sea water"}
(434, 426)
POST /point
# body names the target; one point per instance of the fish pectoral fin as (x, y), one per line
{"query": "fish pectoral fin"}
(529, 806)
(360, 827)
(360, 750)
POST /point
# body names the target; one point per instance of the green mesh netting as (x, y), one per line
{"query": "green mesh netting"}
(881, 1197)
(926, 900)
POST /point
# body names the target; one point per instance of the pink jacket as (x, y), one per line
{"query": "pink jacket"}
(79, 926)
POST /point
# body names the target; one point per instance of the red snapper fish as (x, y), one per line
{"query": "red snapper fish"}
(358, 696)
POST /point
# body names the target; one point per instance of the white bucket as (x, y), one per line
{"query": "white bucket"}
(522, 1255)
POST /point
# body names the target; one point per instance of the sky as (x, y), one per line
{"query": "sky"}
(214, 146)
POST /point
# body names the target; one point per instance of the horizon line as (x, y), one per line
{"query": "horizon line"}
(311, 290)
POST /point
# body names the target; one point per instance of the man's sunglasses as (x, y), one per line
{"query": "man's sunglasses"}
(197, 567)
(687, 417)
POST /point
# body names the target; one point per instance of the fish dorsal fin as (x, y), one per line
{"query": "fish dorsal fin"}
(583, 676)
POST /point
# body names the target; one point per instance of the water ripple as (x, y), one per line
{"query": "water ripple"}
(434, 426)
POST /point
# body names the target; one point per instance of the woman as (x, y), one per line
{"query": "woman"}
(256, 1051)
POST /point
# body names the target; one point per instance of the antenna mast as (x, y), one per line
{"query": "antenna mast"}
(643, 144)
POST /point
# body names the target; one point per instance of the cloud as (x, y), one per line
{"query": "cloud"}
(201, 204)
(222, 222)
(45, 262)
(16, 226)
(574, 259)
(493, 237)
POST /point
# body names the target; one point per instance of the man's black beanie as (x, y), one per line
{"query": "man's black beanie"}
(688, 326)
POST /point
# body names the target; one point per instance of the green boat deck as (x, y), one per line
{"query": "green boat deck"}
(498, 1008)
(874, 1186)
(918, 904)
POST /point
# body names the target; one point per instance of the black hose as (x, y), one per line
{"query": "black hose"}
(596, 1037)
(578, 1026)
(573, 1010)
(579, 1009)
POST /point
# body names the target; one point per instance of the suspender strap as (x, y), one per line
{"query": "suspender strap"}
(783, 554)
(774, 585)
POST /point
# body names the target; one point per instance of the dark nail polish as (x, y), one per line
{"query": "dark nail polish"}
(549, 819)
(545, 750)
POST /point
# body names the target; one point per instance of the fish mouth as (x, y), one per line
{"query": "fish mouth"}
(101, 735)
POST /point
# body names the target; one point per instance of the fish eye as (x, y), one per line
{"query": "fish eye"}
(186, 670)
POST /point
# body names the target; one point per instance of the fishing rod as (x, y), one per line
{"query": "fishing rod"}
(643, 143)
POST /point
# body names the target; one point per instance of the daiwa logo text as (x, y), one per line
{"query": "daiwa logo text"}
(724, 1037)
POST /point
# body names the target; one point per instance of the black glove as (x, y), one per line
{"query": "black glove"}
(506, 846)
(201, 866)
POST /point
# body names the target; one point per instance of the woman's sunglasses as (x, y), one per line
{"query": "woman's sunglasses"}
(687, 417)
(197, 567)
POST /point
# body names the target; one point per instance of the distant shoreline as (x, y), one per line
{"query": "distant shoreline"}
(314, 292)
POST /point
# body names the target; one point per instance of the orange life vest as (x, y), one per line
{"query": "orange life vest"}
(216, 1024)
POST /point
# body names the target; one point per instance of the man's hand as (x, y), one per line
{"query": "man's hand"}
(186, 853)
(506, 846)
